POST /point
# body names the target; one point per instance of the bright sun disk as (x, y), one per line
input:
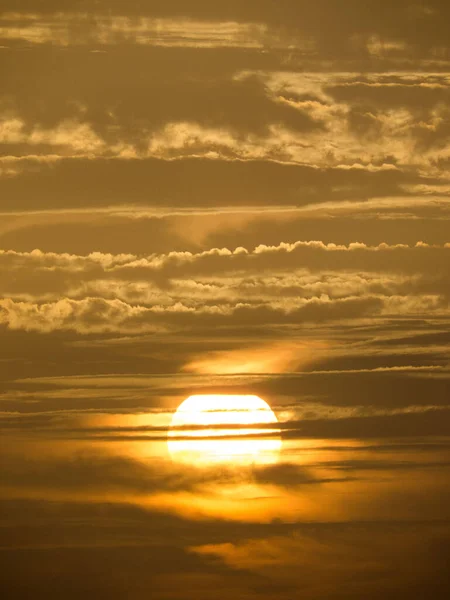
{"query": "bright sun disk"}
(215, 428)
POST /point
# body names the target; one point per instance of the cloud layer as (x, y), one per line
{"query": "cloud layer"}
(224, 198)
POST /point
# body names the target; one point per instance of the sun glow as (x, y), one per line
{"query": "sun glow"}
(222, 428)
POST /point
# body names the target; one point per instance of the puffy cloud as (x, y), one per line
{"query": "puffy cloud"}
(303, 269)
(345, 119)
(92, 315)
(75, 137)
(288, 283)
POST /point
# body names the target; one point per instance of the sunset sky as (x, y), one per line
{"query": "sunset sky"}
(233, 200)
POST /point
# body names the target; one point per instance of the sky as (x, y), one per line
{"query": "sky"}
(242, 198)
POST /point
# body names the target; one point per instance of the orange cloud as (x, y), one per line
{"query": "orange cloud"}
(280, 357)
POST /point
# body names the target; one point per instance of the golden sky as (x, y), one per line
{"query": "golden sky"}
(230, 198)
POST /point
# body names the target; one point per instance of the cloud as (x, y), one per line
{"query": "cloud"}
(224, 198)
(271, 358)
(102, 473)
(92, 315)
(353, 255)
(201, 183)
(99, 292)
(360, 558)
(345, 118)
(72, 29)
(402, 32)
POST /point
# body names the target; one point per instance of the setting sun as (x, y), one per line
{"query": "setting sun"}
(224, 428)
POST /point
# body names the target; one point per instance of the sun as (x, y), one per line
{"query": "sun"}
(218, 428)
